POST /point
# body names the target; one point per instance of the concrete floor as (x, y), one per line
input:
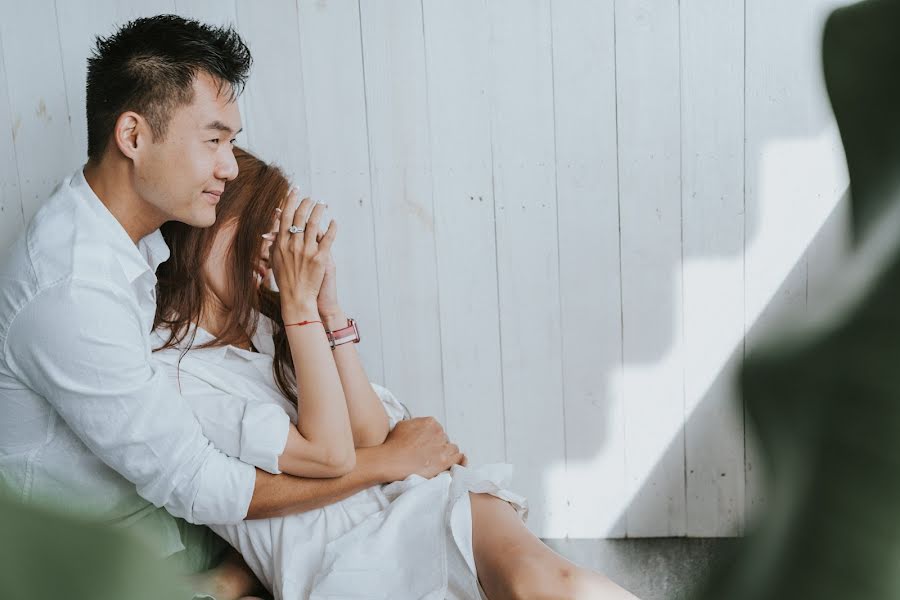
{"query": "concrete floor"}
(650, 568)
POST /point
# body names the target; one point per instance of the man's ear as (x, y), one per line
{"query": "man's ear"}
(130, 133)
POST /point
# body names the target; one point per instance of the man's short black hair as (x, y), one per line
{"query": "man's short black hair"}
(149, 65)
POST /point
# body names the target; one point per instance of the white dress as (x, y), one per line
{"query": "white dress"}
(408, 540)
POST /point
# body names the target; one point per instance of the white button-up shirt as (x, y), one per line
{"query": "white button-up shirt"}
(87, 422)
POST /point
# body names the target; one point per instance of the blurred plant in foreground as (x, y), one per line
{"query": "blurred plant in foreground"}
(47, 556)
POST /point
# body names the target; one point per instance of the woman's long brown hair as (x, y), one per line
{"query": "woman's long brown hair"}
(250, 201)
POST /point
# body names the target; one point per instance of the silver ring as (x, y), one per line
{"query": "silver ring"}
(295, 229)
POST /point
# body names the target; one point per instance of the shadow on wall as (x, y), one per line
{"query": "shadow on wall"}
(790, 233)
(824, 393)
(723, 396)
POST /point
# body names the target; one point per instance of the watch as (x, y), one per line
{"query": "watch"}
(348, 334)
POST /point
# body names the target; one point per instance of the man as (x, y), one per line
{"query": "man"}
(88, 424)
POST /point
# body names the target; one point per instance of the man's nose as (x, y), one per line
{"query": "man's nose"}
(227, 167)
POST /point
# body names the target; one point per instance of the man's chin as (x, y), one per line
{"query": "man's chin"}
(201, 219)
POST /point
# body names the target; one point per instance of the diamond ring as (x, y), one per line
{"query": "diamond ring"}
(295, 229)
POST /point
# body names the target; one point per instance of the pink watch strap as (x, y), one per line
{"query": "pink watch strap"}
(348, 334)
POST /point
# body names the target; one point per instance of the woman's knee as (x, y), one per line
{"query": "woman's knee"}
(512, 563)
(536, 578)
(562, 580)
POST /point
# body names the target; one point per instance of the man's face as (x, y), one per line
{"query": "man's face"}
(183, 175)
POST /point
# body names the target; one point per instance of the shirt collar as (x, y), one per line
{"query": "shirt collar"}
(147, 255)
(263, 336)
(201, 336)
(262, 340)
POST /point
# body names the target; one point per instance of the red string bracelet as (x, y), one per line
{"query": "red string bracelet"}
(301, 323)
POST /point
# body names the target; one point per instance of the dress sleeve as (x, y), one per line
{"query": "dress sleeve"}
(83, 348)
(254, 432)
(395, 409)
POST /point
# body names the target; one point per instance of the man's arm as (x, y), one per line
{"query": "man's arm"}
(418, 446)
(82, 346)
(259, 440)
(280, 495)
(83, 350)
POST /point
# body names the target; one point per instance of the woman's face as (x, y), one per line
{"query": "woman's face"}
(216, 269)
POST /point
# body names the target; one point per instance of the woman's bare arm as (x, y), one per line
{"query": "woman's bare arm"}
(368, 419)
(322, 445)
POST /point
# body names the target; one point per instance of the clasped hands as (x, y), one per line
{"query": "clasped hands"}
(302, 262)
(304, 271)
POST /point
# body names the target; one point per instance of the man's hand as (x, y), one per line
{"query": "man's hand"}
(419, 446)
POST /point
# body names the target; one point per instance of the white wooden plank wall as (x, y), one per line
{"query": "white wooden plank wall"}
(712, 195)
(457, 36)
(331, 64)
(649, 125)
(584, 68)
(521, 87)
(397, 114)
(561, 221)
(11, 218)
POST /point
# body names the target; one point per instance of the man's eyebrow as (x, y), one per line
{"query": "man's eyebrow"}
(220, 126)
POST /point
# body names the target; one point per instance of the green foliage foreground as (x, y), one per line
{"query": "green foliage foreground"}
(47, 556)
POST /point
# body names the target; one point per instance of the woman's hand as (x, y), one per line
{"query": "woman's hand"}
(299, 261)
(327, 302)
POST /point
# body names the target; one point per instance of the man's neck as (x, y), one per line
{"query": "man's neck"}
(111, 180)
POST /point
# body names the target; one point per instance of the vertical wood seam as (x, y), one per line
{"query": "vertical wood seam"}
(297, 11)
(621, 279)
(63, 69)
(742, 526)
(248, 128)
(434, 244)
(744, 268)
(365, 94)
(486, 13)
(680, 336)
(14, 149)
(562, 345)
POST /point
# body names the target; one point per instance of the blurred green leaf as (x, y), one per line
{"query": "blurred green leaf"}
(47, 556)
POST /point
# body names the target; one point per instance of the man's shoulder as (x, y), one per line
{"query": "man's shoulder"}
(25, 269)
(56, 250)
(59, 243)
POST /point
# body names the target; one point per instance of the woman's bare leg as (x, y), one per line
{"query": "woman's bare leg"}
(513, 564)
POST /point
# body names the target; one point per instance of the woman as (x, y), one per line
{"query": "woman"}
(229, 340)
